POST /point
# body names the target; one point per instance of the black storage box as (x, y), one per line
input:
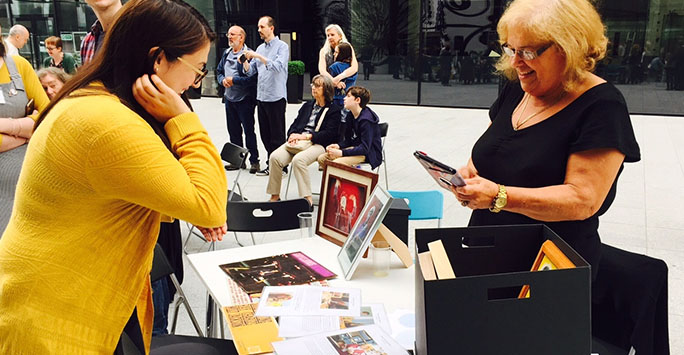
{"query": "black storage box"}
(396, 219)
(479, 312)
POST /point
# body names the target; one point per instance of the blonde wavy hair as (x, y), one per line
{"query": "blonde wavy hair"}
(327, 49)
(574, 26)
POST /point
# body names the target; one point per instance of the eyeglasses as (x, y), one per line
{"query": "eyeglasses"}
(314, 86)
(50, 48)
(525, 54)
(200, 74)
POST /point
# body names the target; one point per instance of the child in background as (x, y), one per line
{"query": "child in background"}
(343, 57)
(361, 141)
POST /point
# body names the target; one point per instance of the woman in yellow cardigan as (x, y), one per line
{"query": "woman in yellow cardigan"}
(114, 151)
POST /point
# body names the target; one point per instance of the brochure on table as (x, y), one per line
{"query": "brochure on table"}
(310, 301)
(369, 339)
(297, 326)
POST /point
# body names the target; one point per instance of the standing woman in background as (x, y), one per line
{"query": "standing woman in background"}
(116, 150)
(19, 86)
(326, 56)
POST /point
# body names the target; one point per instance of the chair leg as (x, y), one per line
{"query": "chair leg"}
(252, 234)
(190, 233)
(184, 299)
(386, 181)
(236, 239)
(289, 177)
(176, 308)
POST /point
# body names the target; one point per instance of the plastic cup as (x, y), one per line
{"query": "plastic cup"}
(380, 253)
(306, 224)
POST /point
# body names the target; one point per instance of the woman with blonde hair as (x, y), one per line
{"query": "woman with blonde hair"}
(559, 134)
(326, 56)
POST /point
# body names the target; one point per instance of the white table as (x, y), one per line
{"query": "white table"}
(395, 291)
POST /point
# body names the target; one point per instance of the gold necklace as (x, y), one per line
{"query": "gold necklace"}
(527, 99)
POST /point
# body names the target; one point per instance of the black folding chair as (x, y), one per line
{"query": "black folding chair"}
(629, 303)
(246, 216)
(161, 268)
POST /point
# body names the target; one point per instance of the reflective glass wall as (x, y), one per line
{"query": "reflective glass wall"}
(645, 57)
(416, 52)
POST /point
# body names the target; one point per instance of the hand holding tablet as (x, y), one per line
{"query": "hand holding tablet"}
(445, 175)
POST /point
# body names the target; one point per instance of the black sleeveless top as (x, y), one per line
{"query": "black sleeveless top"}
(537, 156)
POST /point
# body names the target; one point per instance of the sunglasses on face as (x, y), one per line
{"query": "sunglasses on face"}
(525, 54)
(199, 73)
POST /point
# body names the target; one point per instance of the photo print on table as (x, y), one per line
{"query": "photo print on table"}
(334, 300)
(357, 343)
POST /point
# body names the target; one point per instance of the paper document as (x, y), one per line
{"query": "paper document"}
(251, 335)
(309, 301)
(365, 340)
(296, 326)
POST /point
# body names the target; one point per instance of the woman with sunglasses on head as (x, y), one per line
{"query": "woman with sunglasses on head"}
(115, 151)
(559, 134)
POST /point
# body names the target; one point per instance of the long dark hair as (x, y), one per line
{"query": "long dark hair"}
(344, 52)
(172, 25)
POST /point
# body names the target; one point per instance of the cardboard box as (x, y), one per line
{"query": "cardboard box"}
(479, 312)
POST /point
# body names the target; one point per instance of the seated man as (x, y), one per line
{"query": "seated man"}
(316, 126)
(362, 135)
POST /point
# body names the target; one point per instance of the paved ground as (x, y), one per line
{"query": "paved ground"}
(645, 218)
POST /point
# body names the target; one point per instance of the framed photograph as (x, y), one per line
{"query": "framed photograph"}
(363, 231)
(548, 258)
(344, 192)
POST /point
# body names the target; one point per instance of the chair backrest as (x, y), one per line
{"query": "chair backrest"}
(160, 264)
(384, 127)
(246, 216)
(234, 154)
(423, 204)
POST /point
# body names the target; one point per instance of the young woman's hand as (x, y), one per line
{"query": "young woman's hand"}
(214, 234)
(160, 101)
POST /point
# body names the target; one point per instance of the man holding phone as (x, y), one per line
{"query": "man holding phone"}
(239, 95)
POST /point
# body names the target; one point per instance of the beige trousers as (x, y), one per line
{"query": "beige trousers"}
(301, 159)
(350, 160)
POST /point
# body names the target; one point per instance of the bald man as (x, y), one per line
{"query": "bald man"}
(239, 96)
(17, 38)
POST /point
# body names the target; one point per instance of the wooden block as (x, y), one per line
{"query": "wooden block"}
(441, 260)
(426, 266)
(398, 247)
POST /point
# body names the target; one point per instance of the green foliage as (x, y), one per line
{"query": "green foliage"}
(295, 67)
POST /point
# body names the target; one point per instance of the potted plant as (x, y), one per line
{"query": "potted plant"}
(295, 81)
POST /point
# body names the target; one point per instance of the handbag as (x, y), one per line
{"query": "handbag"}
(304, 144)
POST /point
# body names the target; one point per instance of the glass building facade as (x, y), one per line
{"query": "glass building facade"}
(415, 52)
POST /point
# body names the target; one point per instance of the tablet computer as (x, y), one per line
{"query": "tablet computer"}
(445, 175)
(370, 218)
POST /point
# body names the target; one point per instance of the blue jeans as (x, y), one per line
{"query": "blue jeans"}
(239, 116)
(161, 298)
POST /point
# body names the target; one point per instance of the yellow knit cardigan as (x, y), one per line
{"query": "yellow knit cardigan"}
(76, 255)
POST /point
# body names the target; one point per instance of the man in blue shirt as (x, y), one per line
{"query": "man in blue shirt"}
(271, 63)
(239, 96)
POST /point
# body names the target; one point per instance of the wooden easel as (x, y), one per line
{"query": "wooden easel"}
(398, 246)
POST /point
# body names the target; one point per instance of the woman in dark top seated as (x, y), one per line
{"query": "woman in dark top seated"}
(316, 126)
(559, 134)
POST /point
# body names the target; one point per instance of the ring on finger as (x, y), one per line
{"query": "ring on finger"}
(464, 203)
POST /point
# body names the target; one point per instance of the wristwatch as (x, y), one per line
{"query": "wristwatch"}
(500, 200)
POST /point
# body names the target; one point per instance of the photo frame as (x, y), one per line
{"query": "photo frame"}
(344, 192)
(364, 230)
(549, 257)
